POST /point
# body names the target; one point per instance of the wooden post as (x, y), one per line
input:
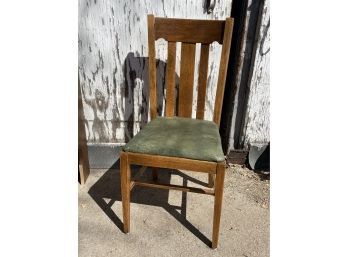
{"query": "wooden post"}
(125, 190)
(219, 187)
(210, 180)
(83, 162)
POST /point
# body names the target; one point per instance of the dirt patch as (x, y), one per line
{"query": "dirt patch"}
(255, 186)
(172, 223)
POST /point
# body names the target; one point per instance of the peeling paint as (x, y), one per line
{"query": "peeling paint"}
(113, 63)
(257, 118)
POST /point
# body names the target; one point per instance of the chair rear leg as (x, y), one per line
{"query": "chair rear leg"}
(154, 174)
(210, 180)
(219, 187)
(125, 191)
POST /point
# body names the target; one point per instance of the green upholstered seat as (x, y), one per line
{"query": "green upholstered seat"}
(179, 137)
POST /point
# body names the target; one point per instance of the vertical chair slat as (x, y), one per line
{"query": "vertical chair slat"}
(170, 79)
(225, 53)
(152, 65)
(202, 80)
(187, 69)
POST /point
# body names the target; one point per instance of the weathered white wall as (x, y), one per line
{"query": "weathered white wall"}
(250, 117)
(256, 128)
(113, 62)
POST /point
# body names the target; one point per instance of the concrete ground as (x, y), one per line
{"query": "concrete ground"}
(173, 223)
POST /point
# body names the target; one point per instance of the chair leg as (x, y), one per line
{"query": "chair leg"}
(125, 190)
(219, 187)
(154, 174)
(210, 180)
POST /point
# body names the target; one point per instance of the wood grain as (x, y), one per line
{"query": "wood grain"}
(152, 66)
(211, 180)
(171, 162)
(219, 187)
(190, 31)
(202, 81)
(125, 190)
(225, 53)
(170, 79)
(187, 69)
(174, 187)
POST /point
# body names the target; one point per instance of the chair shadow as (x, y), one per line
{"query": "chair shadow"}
(108, 186)
(135, 71)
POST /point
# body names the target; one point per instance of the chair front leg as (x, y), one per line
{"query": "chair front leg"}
(219, 187)
(125, 190)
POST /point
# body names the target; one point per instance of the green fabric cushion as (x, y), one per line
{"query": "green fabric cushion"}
(179, 137)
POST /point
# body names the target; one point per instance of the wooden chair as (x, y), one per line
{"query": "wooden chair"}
(179, 142)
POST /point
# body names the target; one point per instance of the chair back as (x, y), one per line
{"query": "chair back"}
(189, 33)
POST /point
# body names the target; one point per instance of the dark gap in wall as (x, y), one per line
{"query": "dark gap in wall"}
(238, 12)
(255, 8)
(238, 64)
